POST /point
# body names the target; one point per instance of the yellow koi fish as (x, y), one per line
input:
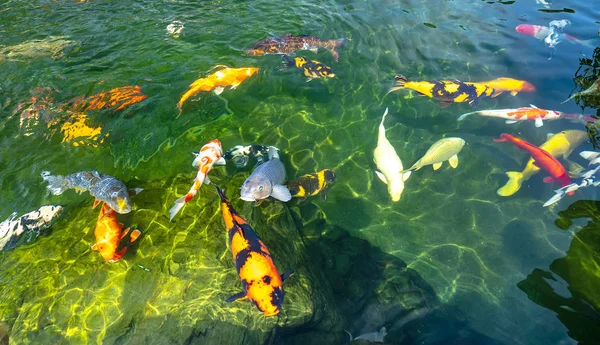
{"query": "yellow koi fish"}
(514, 86)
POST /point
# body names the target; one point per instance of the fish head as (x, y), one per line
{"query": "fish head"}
(527, 87)
(329, 176)
(256, 188)
(118, 199)
(395, 189)
(526, 29)
(106, 249)
(575, 137)
(48, 213)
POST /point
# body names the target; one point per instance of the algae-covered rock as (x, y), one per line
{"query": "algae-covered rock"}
(170, 288)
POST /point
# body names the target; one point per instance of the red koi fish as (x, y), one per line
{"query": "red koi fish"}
(109, 235)
(261, 282)
(542, 159)
(209, 155)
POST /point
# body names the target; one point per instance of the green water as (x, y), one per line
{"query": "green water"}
(451, 263)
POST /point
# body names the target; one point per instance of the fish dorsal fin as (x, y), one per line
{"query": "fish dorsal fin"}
(533, 106)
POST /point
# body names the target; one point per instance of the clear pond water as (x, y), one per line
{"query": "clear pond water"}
(450, 263)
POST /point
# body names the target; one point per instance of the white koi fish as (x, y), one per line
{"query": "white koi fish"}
(531, 113)
(209, 155)
(389, 164)
(445, 149)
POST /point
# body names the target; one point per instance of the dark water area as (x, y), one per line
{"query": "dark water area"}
(452, 262)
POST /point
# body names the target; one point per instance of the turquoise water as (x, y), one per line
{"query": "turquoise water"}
(441, 266)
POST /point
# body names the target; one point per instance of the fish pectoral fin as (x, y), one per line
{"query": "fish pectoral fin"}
(309, 79)
(96, 203)
(573, 169)
(550, 135)
(381, 176)
(436, 166)
(218, 90)
(533, 106)
(445, 104)
(323, 194)
(221, 161)
(135, 234)
(514, 93)
(287, 274)
(135, 191)
(453, 161)
(280, 192)
(548, 179)
(535, 164)
(124, 233)
(497, 93)
(233, 86)
(538, 122)
(95, 246)
(510, 122)
(406, 175)
(237, 297)
(206, 180)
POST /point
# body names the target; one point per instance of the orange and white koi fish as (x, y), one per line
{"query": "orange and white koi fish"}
(209, 155)
(261, 282)
(514, 86)
(217, 81)
(120, 98)
(531, 113)
(109, 233)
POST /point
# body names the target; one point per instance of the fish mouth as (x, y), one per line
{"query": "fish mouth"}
(247, 198)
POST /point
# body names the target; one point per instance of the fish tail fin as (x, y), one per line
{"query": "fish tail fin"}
(56, 183)
(515, 179)
(399, 83)
(286, 62)
(334, 47)
(179, 203)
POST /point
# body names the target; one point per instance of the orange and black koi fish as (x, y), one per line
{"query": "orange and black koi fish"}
(261, 282)
(311, 68)
(312, 184)
(288, 44)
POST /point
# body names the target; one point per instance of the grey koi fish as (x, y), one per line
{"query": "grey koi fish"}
(33, 223)
(103, 187)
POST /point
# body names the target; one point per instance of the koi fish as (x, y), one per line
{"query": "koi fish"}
(514, 86)
(445, 91)
(531, 113)
(389, 164)
(266, 181)
(445, 149)
(240, 154)
(373, 337)
(120, 97)
(288, 44)
(311, 68)
(217, 81)
(109, 233)
(542, 159)
(557, 145)
(103, 187)
(594, 88)
(12, 229)
(261, 282)
(76, 131)
(312, 184)
(551, 35)
(209, 155)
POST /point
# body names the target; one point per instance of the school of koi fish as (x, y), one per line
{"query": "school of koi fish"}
(262, 282)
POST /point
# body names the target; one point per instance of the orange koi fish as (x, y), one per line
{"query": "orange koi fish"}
(261, 282)
(209, 155)
(217, 81)
(109, 235)
(120, 97)
(543, 160)
(514, 86)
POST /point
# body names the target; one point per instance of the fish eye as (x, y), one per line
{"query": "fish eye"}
(260, 188)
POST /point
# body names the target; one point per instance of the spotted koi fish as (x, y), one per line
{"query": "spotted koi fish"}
(311, 68)
(531, 113)
(32, 224)
(103, 187)
(542, 159)
(109, 233)
(445, 91)
(312, 184)
(261, 282)
(288, 44)
(209, 155)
